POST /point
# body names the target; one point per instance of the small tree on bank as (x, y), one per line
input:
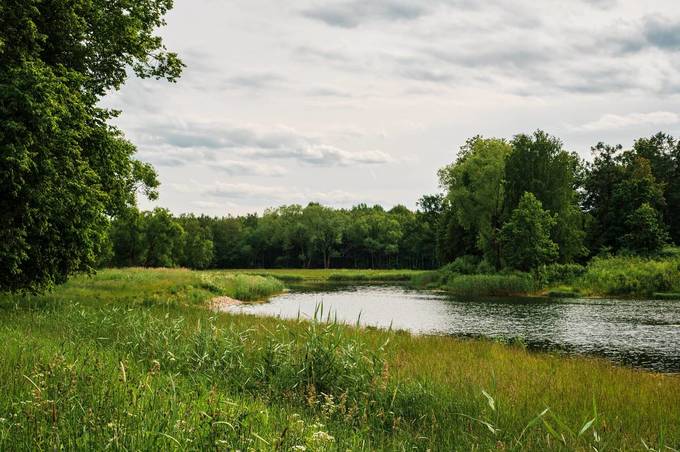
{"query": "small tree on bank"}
(526, 236)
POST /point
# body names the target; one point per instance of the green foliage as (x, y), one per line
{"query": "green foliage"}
(197, 246)
(526, 236)
(475, 189)
(625, 200)
(63, 169)
(646, 231)
(288, 236)
(163, 238)
(628, 275)
(370, 277)
(539, 165)
(663, 153)
(464, 265)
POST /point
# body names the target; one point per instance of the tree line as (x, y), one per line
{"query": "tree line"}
(288, 236)
(515, 204)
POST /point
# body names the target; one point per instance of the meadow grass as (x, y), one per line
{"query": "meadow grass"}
(132, 359)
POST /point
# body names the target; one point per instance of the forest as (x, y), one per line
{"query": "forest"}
(505, 204)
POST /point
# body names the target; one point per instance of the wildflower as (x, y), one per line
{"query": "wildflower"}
(322, 437)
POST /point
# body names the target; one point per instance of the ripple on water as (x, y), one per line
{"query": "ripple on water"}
(642, 333)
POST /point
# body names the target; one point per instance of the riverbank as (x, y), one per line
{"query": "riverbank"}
(621, 276)
(132, 359)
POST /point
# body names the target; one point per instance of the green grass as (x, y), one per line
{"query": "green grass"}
(496, 284)
(131, 359)
(332, 275)
(244, 287)
(492, 285)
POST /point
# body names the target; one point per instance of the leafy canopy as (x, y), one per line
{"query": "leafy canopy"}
(64, 171)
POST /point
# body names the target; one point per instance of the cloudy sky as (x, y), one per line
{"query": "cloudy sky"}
(348, 101)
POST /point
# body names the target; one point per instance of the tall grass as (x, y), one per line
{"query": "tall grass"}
(492, 285)
(128, 370)
(243, 287)
(631, 276)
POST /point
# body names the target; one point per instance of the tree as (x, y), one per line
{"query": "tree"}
(602, 176)
(646, 231)
(163, 239)
(63, 170)
(663, 153)
(128, 240)
(325, 230)
(197, 246)
(526, 236)
(476, 191)
(538, 164)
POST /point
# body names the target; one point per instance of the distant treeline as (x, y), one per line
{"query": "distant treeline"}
(288, 236)
(515, 204)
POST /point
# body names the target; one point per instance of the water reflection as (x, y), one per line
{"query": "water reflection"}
(640, 333)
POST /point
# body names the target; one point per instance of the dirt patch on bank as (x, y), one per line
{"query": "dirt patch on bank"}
(224, 303)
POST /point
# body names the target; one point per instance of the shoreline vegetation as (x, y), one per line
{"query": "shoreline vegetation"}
(130, 358)
(621, 276)
(656, 277)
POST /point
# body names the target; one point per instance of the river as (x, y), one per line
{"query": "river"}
(640, 333)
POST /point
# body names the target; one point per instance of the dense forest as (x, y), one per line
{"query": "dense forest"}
(515, 204)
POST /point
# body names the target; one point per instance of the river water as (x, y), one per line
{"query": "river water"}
(641, 333)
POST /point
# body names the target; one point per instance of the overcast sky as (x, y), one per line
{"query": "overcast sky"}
(352, 101)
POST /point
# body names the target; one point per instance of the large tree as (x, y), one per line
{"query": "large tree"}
(618, 185)
(64, 171)
(538, 164)
(476, 191)
(663, 153)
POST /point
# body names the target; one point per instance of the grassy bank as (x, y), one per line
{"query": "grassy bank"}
(333, 275)
(626, 276)
(132, 360)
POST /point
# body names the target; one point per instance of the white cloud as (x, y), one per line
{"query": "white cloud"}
(340, 100)
(613, 121)
(188, 140)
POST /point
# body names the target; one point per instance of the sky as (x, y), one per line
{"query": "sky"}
(361, 101)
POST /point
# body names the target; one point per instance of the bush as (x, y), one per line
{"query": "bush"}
(464, 265)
